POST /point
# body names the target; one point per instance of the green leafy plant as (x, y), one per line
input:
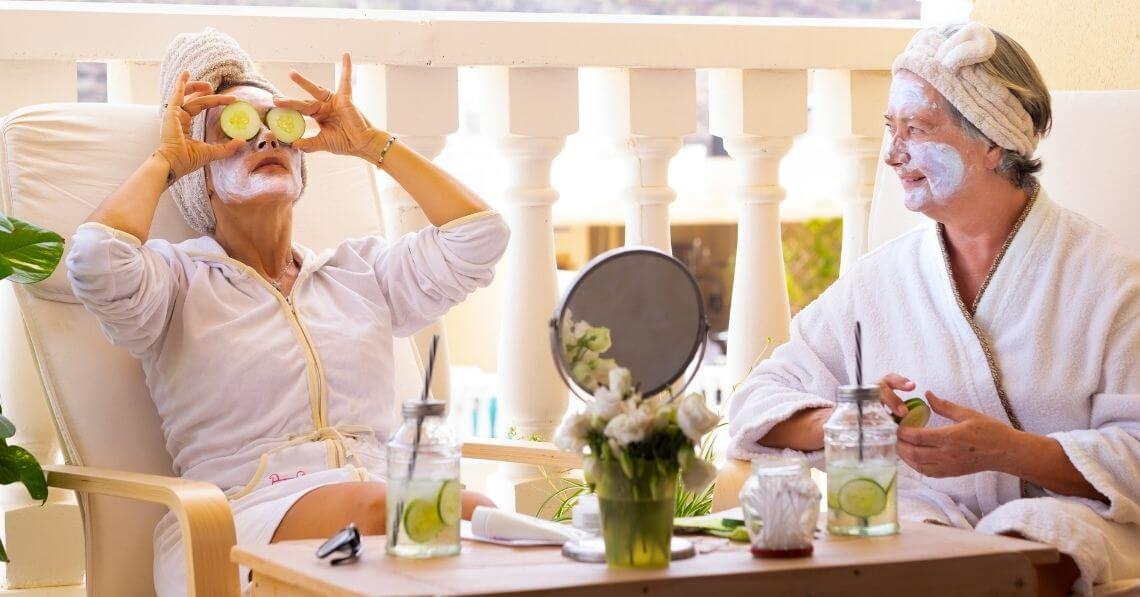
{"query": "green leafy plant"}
(28, 254)
(699, 503)
(688, 503)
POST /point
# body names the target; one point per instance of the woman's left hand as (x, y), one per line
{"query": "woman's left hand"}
(975, 442)
(344, 129)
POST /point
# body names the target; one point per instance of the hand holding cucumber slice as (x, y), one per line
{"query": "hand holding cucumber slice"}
(917, 415)
(183, 153)
(240, 120)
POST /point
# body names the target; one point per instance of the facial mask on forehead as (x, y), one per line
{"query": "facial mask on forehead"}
(943, 168)
(907, 96)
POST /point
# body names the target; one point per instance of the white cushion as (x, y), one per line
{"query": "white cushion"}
(1088, 159)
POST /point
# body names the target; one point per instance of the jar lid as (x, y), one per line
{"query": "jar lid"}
(862, 393)
(424, 408)
(779, 465)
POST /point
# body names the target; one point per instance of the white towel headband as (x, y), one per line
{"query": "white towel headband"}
(951, 65)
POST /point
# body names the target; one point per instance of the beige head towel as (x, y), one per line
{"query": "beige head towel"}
(951, 65)
(214, 57)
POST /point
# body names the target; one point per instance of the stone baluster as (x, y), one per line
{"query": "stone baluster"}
(132, 82)
(528, 112)
(420, 105)
(645, 114)
(757, 112)
(851, 105)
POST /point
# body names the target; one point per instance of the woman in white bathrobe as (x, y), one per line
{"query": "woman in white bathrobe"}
(271, 366)
(1018, 320)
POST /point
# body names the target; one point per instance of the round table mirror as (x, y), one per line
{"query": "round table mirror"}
(652, 308)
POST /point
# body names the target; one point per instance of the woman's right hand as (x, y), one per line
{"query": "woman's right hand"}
(183, 153)
(887, 395)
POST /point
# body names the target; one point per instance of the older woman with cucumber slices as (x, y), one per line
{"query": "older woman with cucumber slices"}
(270, 365)
(1018, 319)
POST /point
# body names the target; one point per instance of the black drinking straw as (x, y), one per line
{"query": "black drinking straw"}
(416, 443)
(859, 381)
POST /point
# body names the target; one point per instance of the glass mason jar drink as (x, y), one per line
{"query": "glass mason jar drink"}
(424, 496)
(862, 488)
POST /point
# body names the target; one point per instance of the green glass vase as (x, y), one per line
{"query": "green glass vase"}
(637, 512)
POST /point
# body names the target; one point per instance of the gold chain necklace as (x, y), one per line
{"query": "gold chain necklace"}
(276, 282)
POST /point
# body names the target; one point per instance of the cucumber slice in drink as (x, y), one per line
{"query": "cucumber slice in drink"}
(239, 120)
(421, 521)
(862, 498)
(287, 125)
(450, 502)
(917, 415)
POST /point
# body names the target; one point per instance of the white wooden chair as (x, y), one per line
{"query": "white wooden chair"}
(57, 162)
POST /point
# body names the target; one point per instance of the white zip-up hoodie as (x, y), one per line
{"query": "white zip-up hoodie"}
(255, 388)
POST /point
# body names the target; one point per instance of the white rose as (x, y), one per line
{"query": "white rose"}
(598, 339)
(571, 434)
(620, 379)
(694, 418)
(566, 329)
(602, 369)
(607, 404)
(631, 426)
(698, 475)
(591, 469)
(584, 376)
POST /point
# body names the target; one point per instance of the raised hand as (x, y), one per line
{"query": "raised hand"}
(974, 442)
(343, 128)
(183, 153)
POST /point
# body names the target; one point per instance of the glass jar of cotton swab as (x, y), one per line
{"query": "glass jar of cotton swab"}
(862, 485)
(424, 495)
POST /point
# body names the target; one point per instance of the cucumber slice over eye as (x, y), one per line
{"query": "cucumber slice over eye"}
(240, 120)
(287, 125)
(450, 502)
(862, 498)
(917, 415)
(421, 521)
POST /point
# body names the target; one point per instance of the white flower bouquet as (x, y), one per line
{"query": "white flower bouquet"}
(634, 447)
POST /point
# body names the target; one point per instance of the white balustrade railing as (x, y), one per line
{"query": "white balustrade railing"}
(636, 76)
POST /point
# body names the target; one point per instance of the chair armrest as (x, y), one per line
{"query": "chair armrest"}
(204, 517)
(521, 452)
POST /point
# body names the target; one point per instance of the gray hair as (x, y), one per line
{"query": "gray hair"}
(1011, 66)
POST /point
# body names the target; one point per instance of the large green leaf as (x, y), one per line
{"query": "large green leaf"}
(17, 463)
(28, 253)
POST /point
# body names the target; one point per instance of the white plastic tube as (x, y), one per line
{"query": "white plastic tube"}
(500, 524)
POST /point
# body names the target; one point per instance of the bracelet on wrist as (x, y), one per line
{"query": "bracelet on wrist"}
(384, 152)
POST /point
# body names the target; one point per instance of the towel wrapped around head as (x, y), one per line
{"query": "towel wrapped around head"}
(213, 57)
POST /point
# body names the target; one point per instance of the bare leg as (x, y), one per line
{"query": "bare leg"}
(325, 510)
(1054, 579)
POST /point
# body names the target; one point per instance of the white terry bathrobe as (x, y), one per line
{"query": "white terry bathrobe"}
(1057, 329)
(269, 396)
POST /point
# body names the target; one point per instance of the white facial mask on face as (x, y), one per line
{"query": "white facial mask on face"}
(908, 96)
(233, 183)
(943, 168)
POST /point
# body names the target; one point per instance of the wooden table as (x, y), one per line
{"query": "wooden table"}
(922, 560)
